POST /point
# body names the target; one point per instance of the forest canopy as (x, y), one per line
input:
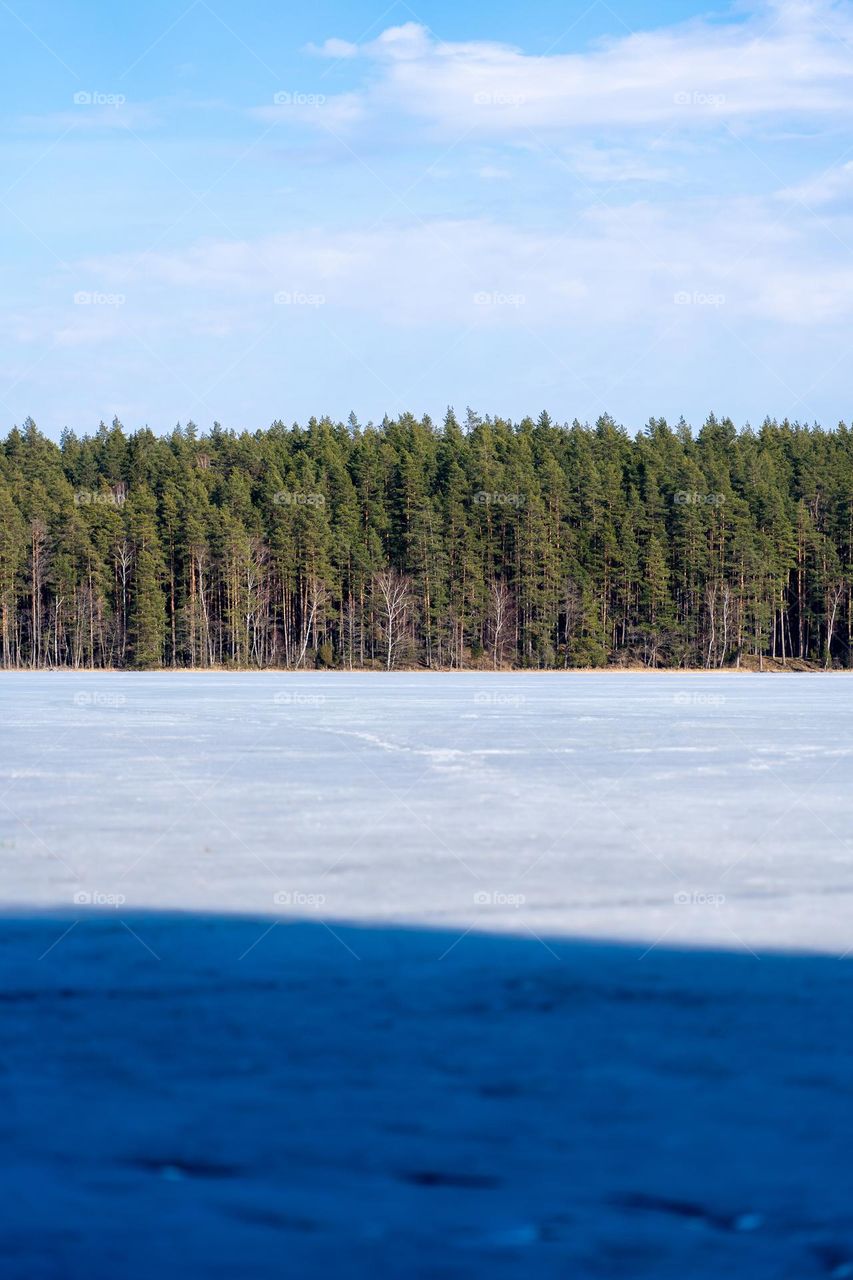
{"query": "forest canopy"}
(474, 543)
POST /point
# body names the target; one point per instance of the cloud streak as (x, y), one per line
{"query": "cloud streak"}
(787, 60)
(631, 264)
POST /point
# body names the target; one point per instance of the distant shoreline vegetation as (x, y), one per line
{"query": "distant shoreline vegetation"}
(483, 544)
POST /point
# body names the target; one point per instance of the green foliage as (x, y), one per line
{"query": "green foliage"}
(530, 544)
(325, 655)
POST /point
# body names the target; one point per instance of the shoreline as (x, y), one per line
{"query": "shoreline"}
(768, 670)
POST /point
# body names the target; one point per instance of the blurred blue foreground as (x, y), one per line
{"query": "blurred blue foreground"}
(194, 1096)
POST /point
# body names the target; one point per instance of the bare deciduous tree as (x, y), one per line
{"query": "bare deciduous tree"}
(394, 591)
(834, 598)
(316, 596)
(500, 601)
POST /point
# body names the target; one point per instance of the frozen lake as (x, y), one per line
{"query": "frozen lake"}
(696, 809)
(291, 983)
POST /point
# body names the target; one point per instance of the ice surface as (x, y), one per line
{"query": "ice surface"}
(703, 809)
(208, 1072)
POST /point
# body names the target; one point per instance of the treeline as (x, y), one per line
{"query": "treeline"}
(482, 543)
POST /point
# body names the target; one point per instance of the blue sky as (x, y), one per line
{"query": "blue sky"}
(246, 212)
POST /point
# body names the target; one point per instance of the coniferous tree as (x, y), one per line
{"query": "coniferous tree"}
(534, 544)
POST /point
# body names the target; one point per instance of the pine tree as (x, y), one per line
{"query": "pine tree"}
(534, 544)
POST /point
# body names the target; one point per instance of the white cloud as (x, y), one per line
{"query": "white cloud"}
(89, 331)
(833, 185)
(334, 48)
(407, 43)
(93, 116)
(788, 59)
(335, 112)
(615, 164)
(613, 265)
